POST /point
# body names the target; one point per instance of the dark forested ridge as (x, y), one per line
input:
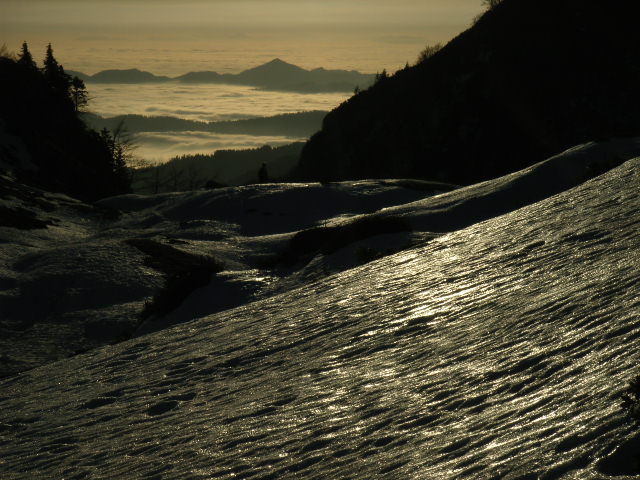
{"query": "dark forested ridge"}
(39, 109)
(223, 167)
(529, 79)
(301, 124)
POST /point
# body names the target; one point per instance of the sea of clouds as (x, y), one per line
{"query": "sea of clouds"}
(201, 102)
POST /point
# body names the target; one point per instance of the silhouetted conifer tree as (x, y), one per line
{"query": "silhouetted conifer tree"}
(120, 149)
(54, 74)
(25, 57)
(263, 175)
(382, 76)
(78, 94)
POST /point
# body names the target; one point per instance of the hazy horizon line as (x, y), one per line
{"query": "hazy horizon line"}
(175, 76)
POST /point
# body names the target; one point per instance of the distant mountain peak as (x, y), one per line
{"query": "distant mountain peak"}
(276, 64)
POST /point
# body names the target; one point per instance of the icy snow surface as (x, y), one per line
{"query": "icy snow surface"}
(497, 351)
(71, 282)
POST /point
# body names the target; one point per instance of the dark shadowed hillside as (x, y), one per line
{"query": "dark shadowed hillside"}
(57, 150)
(542, 73)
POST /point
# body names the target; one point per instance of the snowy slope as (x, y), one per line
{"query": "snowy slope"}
(497, 351)
(70, 281)
(63, 287)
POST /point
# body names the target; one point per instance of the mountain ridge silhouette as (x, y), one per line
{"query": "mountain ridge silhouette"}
(273, 75)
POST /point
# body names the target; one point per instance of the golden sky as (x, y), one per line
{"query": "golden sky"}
(173, 37)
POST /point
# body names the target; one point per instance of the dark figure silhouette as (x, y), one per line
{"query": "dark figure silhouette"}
(263, 176)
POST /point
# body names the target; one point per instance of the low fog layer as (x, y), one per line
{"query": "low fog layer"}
(205, 103)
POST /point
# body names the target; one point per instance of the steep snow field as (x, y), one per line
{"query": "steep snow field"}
(495, 351)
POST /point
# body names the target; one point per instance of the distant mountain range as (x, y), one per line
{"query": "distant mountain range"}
(274, 75)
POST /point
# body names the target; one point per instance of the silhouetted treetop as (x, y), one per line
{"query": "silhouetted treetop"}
(25, 58)
(491, 3)
(54, 73)
(428, 52)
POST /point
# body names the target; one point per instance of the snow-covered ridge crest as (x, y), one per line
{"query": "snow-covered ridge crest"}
(489, 199)
(496, 351)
